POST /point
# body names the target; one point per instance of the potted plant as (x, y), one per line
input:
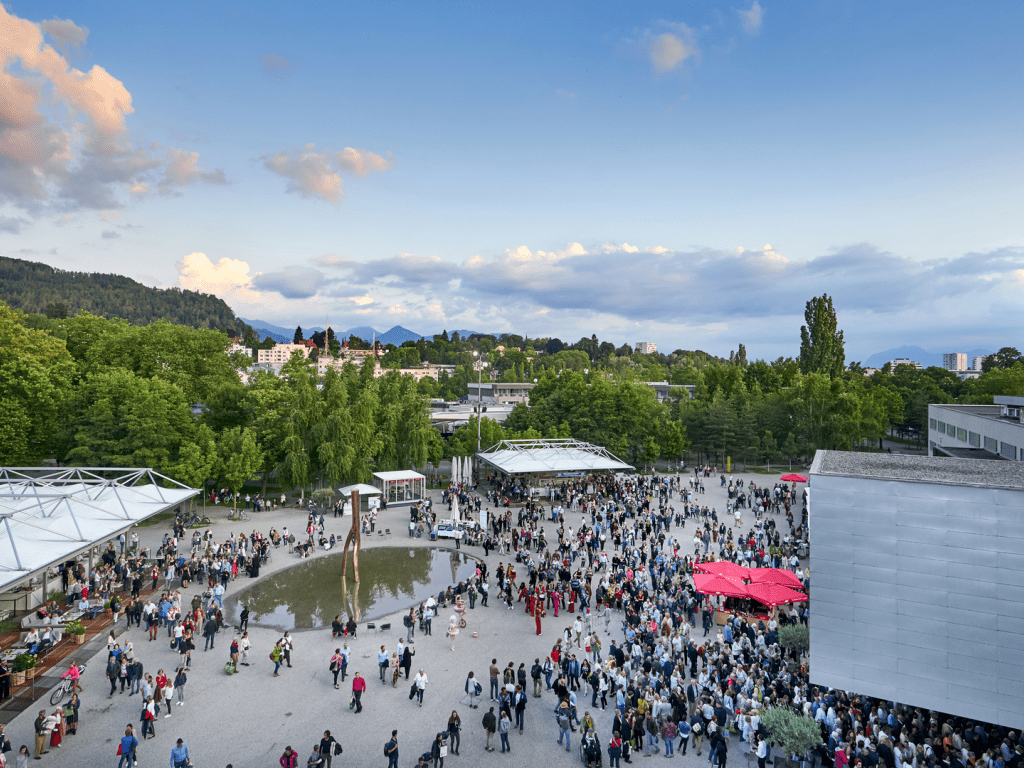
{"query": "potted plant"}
(107, 610)
(796, 639)
(23, 667)
(795, 735)
(76, 630)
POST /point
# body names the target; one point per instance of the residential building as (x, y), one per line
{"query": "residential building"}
(978, 431)
(501, 392)
(666, 391)
(279, 354)
(903, 361)
(646, 347)
(976, 362)
(955, 361)
(241, 348)
(916, 570)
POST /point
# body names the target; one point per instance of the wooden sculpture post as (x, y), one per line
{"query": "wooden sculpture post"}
(353, 538)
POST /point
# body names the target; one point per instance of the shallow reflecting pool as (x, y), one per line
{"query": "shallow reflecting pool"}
(310, 595)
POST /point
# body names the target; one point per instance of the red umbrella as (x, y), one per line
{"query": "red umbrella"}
(723, 568)
(774, 594)
(775, 576)
(714, 584)
(793, 478)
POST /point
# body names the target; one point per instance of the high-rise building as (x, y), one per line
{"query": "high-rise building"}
(646, 347)
(955, 361)
(976, 362)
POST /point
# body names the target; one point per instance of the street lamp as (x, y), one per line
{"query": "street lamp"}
(479, 396)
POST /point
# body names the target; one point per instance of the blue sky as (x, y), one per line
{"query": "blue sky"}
(684, 173)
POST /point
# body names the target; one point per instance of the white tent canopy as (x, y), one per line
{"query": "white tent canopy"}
(522, 457)
(49, 515)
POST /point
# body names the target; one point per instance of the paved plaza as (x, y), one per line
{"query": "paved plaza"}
(249, 718)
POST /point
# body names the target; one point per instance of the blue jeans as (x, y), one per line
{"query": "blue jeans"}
(564, 732)
(126, 759)
(209, 642)
(547, 679)
(652, 742)
(669, 744)
(494, 688)
(505, 747)
(520, 717)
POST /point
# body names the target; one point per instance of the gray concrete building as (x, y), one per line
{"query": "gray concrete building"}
(978, 431)
(917, 583)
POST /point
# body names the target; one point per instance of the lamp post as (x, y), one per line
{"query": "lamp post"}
(479, 397)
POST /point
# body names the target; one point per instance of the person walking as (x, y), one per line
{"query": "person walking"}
(148, 716)
(179, 755)
(504, 726)
(209, 631)
(358, 686)
(179, 685)
(127, 750)
(438, 750)
(329, 746)
(382, 664)
(275, 656)
(564, 719)
(290, 758)
(490, 724)
(420, 685)
(391, 748)
(335, 667)
(519, 704)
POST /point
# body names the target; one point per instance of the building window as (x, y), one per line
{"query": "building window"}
(991, 444)
(1009, 451)
(951, 430)
(961, 435)
(942, 426)
(974, 439)
(931, 423)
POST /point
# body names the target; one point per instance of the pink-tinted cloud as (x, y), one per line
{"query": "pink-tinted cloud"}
(318, 174)
(79, 156)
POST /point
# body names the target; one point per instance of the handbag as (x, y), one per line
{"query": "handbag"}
(119, 747)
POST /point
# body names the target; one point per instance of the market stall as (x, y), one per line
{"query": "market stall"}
(403, 487)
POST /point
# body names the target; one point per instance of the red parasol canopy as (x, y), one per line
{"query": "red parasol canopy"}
(774, 576)
(774, 594)
(793, 478)
(723, 568)
(716, 584)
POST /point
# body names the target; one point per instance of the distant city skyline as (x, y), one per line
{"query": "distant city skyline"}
(688, 176)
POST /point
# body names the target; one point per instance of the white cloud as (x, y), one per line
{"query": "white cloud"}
(318, 174)
(78, 156)
(275, 67)
(183, 168)
(751, 20)
(667, 51)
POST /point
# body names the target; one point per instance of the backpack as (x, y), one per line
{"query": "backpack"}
(535, 672)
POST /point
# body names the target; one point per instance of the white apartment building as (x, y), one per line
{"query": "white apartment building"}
(976, 362)
(500, 392)
(280, 354)
(646, 347)
(239, 348)
(904, 361)
(955, 361)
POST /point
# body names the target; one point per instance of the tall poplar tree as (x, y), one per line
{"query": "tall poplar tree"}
(821, 342)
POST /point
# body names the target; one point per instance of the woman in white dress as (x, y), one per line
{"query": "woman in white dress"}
(453, 629)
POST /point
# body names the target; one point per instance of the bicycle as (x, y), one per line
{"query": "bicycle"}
(65, 687)
(240, 514)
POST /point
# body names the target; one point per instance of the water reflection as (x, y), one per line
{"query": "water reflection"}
(310, 595)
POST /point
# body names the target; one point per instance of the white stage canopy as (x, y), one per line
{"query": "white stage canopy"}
(49, 515)
(528, 457)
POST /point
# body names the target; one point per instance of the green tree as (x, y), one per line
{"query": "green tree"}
(197, 460)
(298, 337)
(821, 342)
(238, 459)
(36, 375)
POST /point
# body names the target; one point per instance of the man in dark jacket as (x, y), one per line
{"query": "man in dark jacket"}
(490, 724)
(209, 630)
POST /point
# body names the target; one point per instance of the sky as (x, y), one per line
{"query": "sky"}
(684, 173)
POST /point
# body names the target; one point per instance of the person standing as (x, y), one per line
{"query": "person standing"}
(179, 755)
(519, 703)
(490, 724)
(40, 727)
(128, 746)
(564, 719)
(286, 645)
(494, 679)
(391, 747)
(245, 646)
(209, 631)
(454, 726)
(762, 751)
(179, 685)
(472, 690)
(275, 656)
(382, 664)
(358, 686)
(504, 726)
(335, 667)
(5, 681)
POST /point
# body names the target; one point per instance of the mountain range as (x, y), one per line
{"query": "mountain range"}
(927, 358)
(397, 335)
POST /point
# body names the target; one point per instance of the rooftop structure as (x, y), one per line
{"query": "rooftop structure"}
(551, 457)
(904, 361)
(49, 515)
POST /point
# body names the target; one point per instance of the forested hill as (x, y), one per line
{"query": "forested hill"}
(39, 288)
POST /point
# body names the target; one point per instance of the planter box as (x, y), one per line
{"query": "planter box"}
(78, 639)
(109, 613)
(30, 673)
(18, 678)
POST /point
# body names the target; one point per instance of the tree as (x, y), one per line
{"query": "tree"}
(298, 338)
(197, 461)
(58, 311)
(795, 734)
(238, 459)
(553, 346)
(821, 343)
(1004, 358)
(36, 374)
